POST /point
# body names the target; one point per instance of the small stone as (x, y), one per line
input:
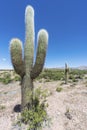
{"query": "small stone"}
(68, 115)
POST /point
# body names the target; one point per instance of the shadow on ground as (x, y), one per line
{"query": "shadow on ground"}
(17, 108)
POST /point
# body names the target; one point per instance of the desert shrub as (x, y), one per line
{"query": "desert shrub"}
(17, 78)
(85, 77)
(2, 107)
(14, 73)
(47, 80)
(52, 74)
(75, 80)
(78, 73)
(59, 89)
(79, 76)
(6, 78)
(71, 76)
(37, 115)
(58, 74)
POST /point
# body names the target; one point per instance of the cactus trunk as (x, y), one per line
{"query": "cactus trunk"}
(24, 65)
(26, 93)
(66, 73)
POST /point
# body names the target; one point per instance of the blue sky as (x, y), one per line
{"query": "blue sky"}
(65, 21)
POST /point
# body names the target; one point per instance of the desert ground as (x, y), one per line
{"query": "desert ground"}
(67, 109)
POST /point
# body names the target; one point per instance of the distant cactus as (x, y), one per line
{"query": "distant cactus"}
(66, 73)
(23, 65)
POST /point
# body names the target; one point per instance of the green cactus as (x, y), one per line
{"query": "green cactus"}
(24, 65)
(66, 73)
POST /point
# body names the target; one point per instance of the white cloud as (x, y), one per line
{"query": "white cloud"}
(3, 59)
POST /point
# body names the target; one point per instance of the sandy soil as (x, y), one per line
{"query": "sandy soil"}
(67, 109)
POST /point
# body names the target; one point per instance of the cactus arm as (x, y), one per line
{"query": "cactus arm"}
(29, 40)
(41, 53)
(16, 56)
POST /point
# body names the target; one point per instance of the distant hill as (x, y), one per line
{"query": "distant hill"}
(82, 67)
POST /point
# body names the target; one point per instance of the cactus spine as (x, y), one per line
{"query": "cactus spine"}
(24, 65)
(66, 73)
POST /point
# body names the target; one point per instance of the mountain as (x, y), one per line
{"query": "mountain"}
(82, 67)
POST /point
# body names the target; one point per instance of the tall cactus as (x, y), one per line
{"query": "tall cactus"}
(24, 65)
(66, 73)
